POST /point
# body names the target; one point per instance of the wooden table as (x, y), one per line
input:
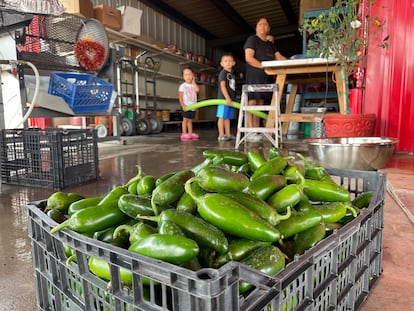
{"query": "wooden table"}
(297, 71)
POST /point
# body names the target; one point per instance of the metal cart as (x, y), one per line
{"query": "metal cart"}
(135, 119)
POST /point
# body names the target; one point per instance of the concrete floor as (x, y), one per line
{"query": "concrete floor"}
(162, 153)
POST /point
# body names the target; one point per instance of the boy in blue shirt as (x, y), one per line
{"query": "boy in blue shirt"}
(227, 91)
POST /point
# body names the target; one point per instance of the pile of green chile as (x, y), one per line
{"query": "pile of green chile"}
(260, 210)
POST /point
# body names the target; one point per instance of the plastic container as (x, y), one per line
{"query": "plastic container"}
(349, 125)
(84, 93)
(165, 115)
(314, 129)
(48, 158)
(336, 274)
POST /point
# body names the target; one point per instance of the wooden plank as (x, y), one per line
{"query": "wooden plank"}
(301, 117)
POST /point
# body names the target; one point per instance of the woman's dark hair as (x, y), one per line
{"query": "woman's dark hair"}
(262, 17)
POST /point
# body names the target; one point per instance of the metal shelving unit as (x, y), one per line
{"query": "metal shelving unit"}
(155, 77)
(48, 43)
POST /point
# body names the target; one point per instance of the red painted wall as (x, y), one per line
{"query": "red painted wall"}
(390, 73)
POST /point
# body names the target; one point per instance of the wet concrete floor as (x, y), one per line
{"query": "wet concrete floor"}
(163, 153)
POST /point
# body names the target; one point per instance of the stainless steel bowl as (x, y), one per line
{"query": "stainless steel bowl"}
(358, 153)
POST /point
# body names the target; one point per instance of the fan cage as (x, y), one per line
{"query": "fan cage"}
(49, 42)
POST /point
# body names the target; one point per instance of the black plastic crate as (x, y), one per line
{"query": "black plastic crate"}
(48, 158)
(336, 274)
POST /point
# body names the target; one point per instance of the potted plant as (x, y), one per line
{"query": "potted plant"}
(340, 33)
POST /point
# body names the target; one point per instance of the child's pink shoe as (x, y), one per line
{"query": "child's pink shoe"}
(185, 137)
(194, 136)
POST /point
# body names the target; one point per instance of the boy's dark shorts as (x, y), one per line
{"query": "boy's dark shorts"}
(188, 114)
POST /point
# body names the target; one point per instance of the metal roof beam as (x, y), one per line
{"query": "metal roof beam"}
(289, 12)
(232, 15)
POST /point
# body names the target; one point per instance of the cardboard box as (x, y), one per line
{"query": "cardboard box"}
(132, 52)
(131, 20)
(310, 5)
(79, 7)
(108, 16)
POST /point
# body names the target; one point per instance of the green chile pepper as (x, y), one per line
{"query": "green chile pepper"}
(267, 259)
(186, 204)
(207, 258)
(288, 248)
(132, 188)
(232, 217)
(140, 231)
(68, 251)
(56, 215)
(92, 219)
(308, 238)
(194, 227)
(315, 171)
(320, 191)
(163, 178)
(351, 214)
(294, 173)
(84, 203)
(240, 248)
(170, 228)
(274, 152)
(101, 269)
(272, 167)
(362, 200)
(193, 264)
(218, 179)
(244, 169)
(61, 201)
(146, 185)
(230, 157)
(255, 159)
(135, 232)
(264, 186)
(330, 228)
(297, 222)
(170, 248)
(134, 205)
(203, 164)
(288, 196)
(169, 191)
(107, 236)
(331, 212)
(136, 178)
(258, 206)
(113, 195)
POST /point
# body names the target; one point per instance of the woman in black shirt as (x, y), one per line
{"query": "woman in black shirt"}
(258, 48)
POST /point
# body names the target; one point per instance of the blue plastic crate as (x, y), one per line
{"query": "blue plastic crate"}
(84, 93)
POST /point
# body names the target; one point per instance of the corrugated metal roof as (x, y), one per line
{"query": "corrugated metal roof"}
(227, 23)
(224, 18)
